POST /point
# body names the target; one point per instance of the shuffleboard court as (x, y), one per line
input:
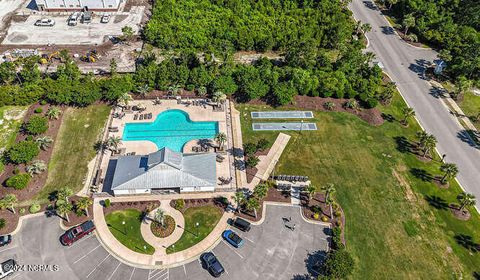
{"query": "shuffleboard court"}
(282, 115)
(284, 126)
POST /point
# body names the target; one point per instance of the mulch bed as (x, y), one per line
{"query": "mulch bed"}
(272, 195)
(372, 116)
(463, 215)
(38, 181)
(217, 202)
(139, 205)
(12, 219)
(163, 231)
(252, 171)
(438, 181)
(76, 219)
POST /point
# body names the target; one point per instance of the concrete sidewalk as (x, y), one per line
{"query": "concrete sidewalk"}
(267, 163)
(157, 260)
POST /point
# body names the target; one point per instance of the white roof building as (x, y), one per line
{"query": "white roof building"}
(77, 5)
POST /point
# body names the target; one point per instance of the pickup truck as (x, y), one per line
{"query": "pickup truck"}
(76, 233)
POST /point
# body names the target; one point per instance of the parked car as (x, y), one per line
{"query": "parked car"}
(105, 18)
(45, 22)
(5, 240)
(7, 268)
(233, 238)
(76, 233)
(212, 264)
(73, 19)
(241, 224)
(87, 17)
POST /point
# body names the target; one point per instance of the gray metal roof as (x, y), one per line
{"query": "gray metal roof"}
(165, 169)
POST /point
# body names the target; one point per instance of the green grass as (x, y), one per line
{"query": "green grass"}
(471, 106)
(129, 234)
(392, 229)
(9, 124)
(74, 148)
(206, 216)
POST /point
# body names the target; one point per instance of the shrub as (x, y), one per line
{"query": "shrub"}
(190, 87)
(324, 219)
(316, 216)
(34, 208)
(29, 138)
(23, 152)
(262, 144)
(3, 223)
(36, 125)
(43, 102)
(106, 203)
(179, 204)
(337, 214)
(19, 181)
(371, 103)
(337, 238)
(329, 105)
(16, 171)
(249, 148)
(252, 161)
(338, 265)
(38, 110)
(21, 211)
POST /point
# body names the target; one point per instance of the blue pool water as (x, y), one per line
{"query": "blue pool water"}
(171, 129)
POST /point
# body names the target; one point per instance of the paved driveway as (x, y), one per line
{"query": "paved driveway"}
(271, 251)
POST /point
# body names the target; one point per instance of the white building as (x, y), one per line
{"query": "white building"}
(77, 5)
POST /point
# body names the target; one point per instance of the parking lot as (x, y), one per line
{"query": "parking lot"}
(271, 251)
(26, 33)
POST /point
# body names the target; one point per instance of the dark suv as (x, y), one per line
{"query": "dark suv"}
(212, 264)
(5, 240)
(76, 233)
(241, 224)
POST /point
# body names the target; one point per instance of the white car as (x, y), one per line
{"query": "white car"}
(105, 18)
(73, 19)
(45, 22)
(7, 268)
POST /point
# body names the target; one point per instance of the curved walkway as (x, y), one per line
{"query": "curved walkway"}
(161, 244)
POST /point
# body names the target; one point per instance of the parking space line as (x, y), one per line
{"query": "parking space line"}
(235, 251)
(131, 275)
(185, 270)
(108, 255)
(12, 247)
(248, 239)
(80, 241)
(154, 274)
(86, 254)
(114, 271)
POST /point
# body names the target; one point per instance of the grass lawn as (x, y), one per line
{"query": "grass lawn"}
(74, 148)
(206, 216)
(471, 106)
(397, 222)
(129, 234)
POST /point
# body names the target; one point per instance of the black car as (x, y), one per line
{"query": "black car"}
(5, 240)
(212, 264)
(241, 224)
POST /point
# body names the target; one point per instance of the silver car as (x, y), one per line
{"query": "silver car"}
(45, 22)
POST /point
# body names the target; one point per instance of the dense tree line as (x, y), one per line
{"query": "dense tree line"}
(454, 26)
(219, 25)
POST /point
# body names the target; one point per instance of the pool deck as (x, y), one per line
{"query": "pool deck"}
(196, 113)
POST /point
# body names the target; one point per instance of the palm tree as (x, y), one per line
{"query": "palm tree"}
(329, 190)
(407, 113)
(366, 27)
(63, 209)
(252, 205)
(466, 199)
(143, 89)
(422, 136)
(53, 113)
(202, 91)
(83, 204)
(221, 138)
(64, 193)
(124, 98)
(173, 90)
(408, 21)
(219, 97)
(329, 105)
(160, 217)
(44, 142)
(113, 142)
(351, 104)
(329, 201)
(430, 142)
(8, 201)
(450, 170)
(462, 85)
(37, 167)
(239, 198)
(311, 190)
(260, 191)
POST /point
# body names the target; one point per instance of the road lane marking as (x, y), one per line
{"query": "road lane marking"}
(108, 255)
(131, 275)
(235, 251)
(86, 254)
(114, 271)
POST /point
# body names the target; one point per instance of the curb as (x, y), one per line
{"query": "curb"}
(25, 217)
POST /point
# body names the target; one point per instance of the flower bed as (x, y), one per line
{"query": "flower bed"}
(163, 231)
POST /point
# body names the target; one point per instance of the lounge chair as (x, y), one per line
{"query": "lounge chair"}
(135, 117)
(150, 115)
(141, 117)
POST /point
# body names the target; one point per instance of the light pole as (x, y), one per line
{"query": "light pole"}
(301, 126)
(124, 228)
(196, 225)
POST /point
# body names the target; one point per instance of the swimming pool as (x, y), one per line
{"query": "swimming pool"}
(171, 129)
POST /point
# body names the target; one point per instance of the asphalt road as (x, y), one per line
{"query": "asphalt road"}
(271, 251)
(405, 65)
